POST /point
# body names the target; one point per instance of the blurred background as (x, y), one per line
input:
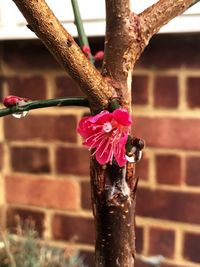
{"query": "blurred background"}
(44, 167)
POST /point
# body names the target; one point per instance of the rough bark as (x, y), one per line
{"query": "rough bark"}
(114, 188)
(123, 27)
(127, 34)
(113, 198)
(120, 34)
(159, 14)
(61, 44)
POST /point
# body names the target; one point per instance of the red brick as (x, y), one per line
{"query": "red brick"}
(191, 247)
(25, 215)
(65, 86)
(193, 92)
(30, 159)
(139, 239)
(2, 80)
(193, 170)
(140, 90)
(168, 132)
(169, 51)
(41, 127)
(139, 263)
(33, 87)
(42, 192)
(142, 169)
(73, 229)
(172, 265)
(28, 55)
(168, 205)
(168, 169)
(86, 195)
(1, 156)
(166, 92)
(72, 160)
(161, 241)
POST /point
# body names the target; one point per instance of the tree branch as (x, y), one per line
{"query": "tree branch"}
(61, 44)
(71, 101)
(83, 40)
(119, 37)
(194, 3)
(159, 14)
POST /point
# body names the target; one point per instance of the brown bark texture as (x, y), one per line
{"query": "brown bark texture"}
(62, 45)
(113, 198)
(127, 34)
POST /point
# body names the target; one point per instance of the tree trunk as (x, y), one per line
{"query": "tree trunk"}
(127, 34)
(113, 199)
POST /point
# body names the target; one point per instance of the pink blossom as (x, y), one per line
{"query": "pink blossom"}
(12, 100)
(99, 56)
(107, 134)
(86, 50)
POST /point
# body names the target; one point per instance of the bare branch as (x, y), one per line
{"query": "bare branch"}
(56, 102)
(159, 14)
(61, 44)
(127, 34)
(194, 3)
(117, 60)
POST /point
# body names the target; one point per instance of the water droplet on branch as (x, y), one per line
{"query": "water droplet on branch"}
(20, 114)
(136, 156)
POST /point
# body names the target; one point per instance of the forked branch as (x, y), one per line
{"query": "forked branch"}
(120, 35)
(126, 36)
(159, 14)
(61, 44)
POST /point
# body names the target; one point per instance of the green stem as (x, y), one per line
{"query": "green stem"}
(83, 40)
(71, 101)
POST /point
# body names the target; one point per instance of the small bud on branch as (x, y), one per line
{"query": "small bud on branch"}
(14, 105)
(12, 100)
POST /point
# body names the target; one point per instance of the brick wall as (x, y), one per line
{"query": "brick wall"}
(45, 170)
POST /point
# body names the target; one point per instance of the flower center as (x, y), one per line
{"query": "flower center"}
(107, 127)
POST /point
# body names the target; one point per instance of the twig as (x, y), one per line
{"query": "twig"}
(61, 44)
(159, 14)
(72, 101)
(117, 63)
(83, 40)
(194, 2)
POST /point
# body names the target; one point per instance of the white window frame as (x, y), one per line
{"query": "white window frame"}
(13, 25)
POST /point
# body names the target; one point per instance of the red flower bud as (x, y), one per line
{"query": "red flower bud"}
(99, 56)
(86, 49)
(12, 100)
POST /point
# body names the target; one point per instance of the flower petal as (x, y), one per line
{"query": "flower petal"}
(101, 118)
(103, 155)
(122, 116)
(94, 140)
(83, 128)
(120, 151)
(107, 144)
